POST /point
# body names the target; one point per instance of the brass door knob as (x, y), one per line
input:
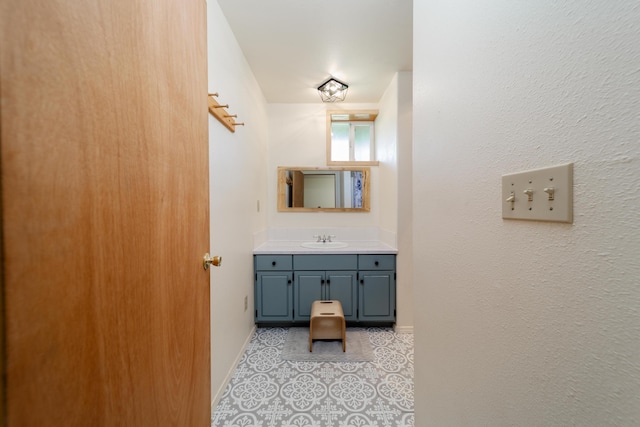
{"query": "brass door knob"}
(208, 260)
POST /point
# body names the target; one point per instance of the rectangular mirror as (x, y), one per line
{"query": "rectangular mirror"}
(330, 189)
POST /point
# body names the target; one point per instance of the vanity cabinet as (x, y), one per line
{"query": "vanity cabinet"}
(273, 288)
(377, 293)
(325, 277)
(287, 285)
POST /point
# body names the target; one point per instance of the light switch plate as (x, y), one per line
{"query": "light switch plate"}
(540, 195)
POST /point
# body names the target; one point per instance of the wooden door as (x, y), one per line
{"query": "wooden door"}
(103, 124)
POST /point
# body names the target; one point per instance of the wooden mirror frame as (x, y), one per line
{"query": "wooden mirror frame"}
(282, 188)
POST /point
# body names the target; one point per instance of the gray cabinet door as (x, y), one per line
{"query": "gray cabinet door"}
(377, 296)
(342, 286)
(309, 287)
(312, 286)
(274, 296)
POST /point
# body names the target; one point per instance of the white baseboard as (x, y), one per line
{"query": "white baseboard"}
(227, 379)
(403, 329)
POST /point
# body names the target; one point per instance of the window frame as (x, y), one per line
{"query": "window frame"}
(354, 116)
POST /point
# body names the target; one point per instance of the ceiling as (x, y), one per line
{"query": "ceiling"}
(292, 46)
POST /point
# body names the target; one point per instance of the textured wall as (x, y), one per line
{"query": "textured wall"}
(526, 323)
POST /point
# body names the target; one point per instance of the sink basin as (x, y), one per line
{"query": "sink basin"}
(324, 245)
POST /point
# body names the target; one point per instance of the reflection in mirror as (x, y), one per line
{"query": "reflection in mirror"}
(333, 189)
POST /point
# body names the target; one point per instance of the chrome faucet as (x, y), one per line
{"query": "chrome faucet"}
(324, 238)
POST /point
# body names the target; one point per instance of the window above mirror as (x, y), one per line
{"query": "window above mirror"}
(351, 138)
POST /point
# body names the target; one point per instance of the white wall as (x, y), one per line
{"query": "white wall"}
(237, 182)
(526, 323)
(393, 129)
(297, 137)
(386, 132)
(404, 282)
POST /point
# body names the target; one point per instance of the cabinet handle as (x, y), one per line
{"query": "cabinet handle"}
(376, 263)
(322, 282)
(328, 282)
(362, 281)
(273, 263)
(289, 282)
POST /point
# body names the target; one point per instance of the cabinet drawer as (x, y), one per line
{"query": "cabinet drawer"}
(325, 262)
(273, 262)
(377, 262)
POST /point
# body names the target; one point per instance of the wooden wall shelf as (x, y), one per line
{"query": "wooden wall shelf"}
(220, 112)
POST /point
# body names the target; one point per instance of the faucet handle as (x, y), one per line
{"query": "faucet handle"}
(330, 236)
(317, 236)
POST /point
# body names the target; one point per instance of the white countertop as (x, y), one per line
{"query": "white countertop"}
(294, 247)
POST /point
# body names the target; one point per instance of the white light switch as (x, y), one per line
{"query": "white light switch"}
(541, 194)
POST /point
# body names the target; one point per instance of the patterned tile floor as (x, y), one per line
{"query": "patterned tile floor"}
(266, 391)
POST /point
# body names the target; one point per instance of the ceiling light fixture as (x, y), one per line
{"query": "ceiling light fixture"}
(333, 90)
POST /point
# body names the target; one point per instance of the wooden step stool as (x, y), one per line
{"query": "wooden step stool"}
(327, 322)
